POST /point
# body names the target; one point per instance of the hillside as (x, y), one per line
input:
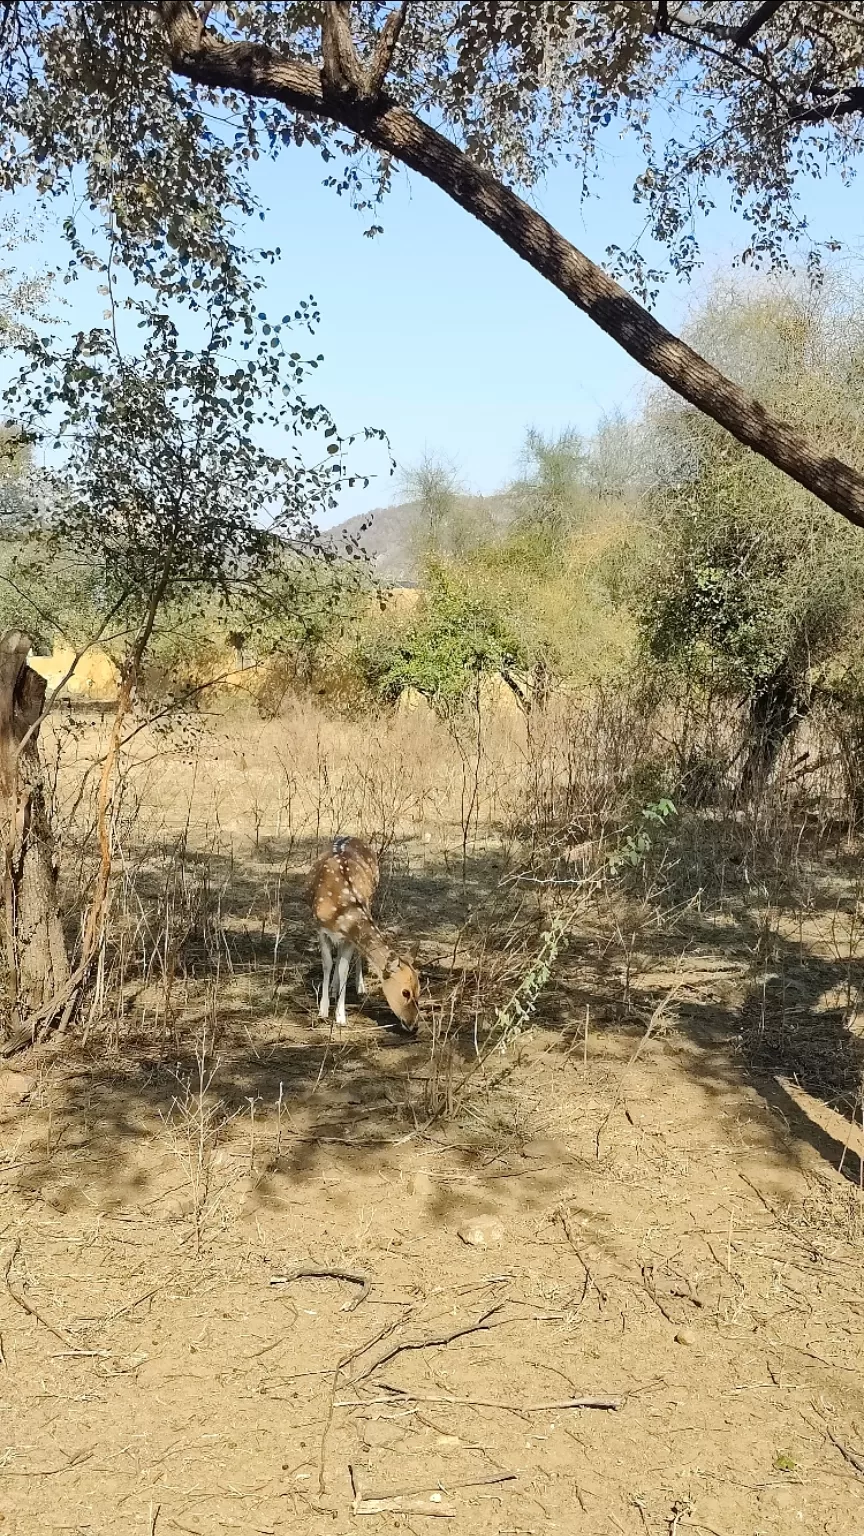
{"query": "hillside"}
(395, 534)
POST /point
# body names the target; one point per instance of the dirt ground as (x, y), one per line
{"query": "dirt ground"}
(660, 1235)
(659, 1330)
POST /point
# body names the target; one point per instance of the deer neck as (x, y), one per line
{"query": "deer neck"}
(374, 947)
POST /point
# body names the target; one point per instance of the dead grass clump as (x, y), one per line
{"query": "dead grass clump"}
(194, 1124)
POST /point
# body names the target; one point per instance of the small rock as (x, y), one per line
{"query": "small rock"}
(685, 1336)
(178, 1210)
(15, 1086)
(153, 1371)
(541, 1148)
(381, 1433)
(66, 1198)
(481, 1234)
(107, 1204)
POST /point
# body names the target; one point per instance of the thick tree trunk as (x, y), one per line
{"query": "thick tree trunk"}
(36, 960)
(256, 70)
(776, 710)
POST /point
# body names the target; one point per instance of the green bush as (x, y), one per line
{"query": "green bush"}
(454, 638)
(754, 588)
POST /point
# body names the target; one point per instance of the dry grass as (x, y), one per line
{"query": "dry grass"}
(639, 1084)
(499, 836)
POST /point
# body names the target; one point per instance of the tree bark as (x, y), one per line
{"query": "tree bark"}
(256, 70)
(776, 710)
(36, 959)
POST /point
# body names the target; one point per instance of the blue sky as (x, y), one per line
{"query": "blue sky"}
(438, 333)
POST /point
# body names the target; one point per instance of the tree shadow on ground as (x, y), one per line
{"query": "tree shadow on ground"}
(795, 1024)
(217, 1007)
(258, 903)
(362, 1087)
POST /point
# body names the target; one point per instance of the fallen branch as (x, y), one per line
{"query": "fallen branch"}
(27, 1306)
(410, 1501)
(563, 1219)
(131, 1305)
(651, 1290)
(398, 1506)
(328, 1425)
(305, 1272)
(609, 1403)
(854, 1458)
(437, 1340)
(758, 1193)
(383, 1333)
(38, 1025)
(68, 1466)
(442, 1487)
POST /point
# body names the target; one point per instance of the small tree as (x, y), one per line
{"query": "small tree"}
(164, 491)
(434, 485)
(556, 571)
(753, 589)
(549, 494)
(616, 467)
(449, 522)
(453, 640)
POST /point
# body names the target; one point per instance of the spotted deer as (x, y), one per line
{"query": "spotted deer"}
(341, 888)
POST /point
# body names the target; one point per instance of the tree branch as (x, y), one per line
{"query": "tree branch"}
(842, 105)
(204, 17)
(721, 31)
(341, 72)
(762, 13)
(391, 128)
(384, 50)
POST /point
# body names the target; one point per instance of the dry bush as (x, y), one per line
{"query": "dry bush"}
(590, 753)
(502, 837)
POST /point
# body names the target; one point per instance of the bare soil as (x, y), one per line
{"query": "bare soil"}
(674, 1229)
(664, 1233)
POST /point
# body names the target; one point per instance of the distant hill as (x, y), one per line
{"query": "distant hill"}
(395, 535)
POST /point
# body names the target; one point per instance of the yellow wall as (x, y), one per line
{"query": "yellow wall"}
(95, 676)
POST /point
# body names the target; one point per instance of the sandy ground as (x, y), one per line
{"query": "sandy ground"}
(663, 1230)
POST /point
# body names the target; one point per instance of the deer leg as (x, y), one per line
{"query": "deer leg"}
(358, 974)
(343, 966)
(326, 970)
